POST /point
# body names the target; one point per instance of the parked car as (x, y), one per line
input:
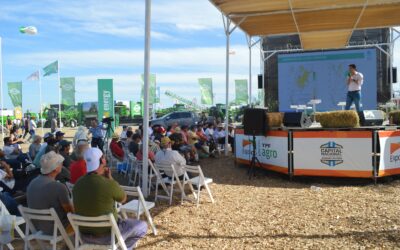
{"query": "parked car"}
(181, 117)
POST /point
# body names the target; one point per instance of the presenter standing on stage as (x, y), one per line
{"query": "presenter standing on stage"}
(354, 81)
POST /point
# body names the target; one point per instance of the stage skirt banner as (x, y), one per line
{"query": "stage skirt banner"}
(389, 163)
(271, 150)
(333, 153)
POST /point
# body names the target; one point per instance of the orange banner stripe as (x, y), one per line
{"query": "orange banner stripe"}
(389, 133)
(388, 172)
(333, 134)
(333, 173)
(279, 169)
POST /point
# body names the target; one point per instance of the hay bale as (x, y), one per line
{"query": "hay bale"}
(274, 119)
(339, 119)
(394, 117)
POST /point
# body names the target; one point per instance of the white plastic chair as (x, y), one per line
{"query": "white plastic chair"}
(99, 221)
(199, 181)
(137, 206)
(170, 170)
(18, 222)
(49, 215)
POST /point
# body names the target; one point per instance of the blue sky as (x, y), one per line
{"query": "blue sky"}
(105, 39)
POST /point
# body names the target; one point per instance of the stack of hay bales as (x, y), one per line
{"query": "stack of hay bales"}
(394, 117)
(338, 119)
(274, 119)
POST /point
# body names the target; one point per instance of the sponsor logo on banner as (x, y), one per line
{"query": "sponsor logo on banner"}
(67, 87)
(264, 150)
(394, 152)
(14, 91)
(331, 154)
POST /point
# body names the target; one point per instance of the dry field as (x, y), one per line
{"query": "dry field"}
(271, 212)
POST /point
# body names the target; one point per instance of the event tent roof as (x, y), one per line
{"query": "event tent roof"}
(320, 24)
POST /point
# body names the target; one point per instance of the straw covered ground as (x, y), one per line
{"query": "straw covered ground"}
(271, 212)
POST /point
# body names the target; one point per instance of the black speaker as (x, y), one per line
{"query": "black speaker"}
(292, 119)
(255, 121)
(394, 70)
(371, 117)
(260, 81)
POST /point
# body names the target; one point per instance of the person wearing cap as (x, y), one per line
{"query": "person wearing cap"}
(48, 137)
(116, 148)
(78, 166)
(167, 156)
(95, 194)
(97, 131)
(34, 148)
(80, 134)
(59, 136)
(45, 192)
(64, 148)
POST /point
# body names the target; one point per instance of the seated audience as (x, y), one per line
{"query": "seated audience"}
(80, 134)
(63, 149)
(95, 194)
(10, 151)
(45, 192)
(139, 154)
(167, 156)
(116, 147)
(123, 136)
(35, 146)
(134, 145)
(78, 167)
(59, 136)
(48, 137)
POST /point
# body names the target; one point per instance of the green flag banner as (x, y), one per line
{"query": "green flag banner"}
(241, 91)
(52, 68)
(206, 90)
(152, 90)
(105, 98)
(67, 90)
(15, 93)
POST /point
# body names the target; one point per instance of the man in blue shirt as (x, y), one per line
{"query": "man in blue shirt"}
(97, 132)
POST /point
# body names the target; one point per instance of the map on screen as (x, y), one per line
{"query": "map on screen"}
(322, 75)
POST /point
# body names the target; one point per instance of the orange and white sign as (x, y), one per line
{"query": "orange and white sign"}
(333, 153)
(389, 163)
(271, 150)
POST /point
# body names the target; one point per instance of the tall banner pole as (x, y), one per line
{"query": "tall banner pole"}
(1, 86)
(40, 100)
(59, 92)
(146, 99)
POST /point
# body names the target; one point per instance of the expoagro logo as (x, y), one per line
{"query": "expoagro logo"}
(331, 154)
(394, 152)
(263, 149)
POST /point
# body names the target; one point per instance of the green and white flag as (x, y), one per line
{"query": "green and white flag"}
(15, 93)
(152, 90)
(206, 90)
(52, 68)
(105, 99)
(241, 92)
(67, 90)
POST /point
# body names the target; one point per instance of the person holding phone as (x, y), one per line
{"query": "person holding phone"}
(354, 82)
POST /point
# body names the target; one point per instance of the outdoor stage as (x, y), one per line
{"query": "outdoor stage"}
(365, 152)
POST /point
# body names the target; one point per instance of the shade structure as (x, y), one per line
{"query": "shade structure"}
(320, 24)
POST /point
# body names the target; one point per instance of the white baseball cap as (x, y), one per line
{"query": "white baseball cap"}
(92, 157)
(50, 161)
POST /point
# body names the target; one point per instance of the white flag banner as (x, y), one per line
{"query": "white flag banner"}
(34, 76)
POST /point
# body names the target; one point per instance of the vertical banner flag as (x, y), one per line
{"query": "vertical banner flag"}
(52, 68)
(15, 93)
(242, 96)
(67, 90)
(152, 90)
(206, 90)
(105, 98)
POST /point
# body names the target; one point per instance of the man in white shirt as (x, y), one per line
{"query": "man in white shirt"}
(167, 156)
(354, 82)
(10, 151)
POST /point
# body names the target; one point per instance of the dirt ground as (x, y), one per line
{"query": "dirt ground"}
(271, 212)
